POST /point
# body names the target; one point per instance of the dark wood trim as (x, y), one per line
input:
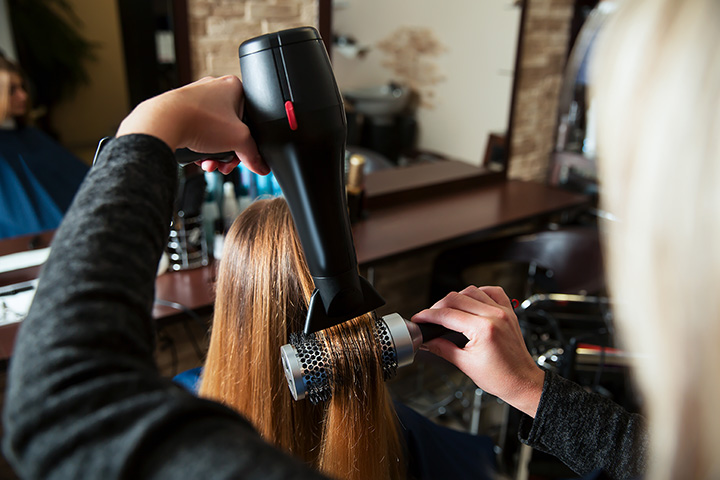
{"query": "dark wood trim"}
(408, 184)
(325, 24)
(181, 28)
(516, 85)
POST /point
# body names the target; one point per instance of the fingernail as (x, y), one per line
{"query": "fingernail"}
(424, 348)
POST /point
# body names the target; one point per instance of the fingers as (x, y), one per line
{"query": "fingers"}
(455, 320)
(223, 167)
(468, 310)
(208, 165)
(247, 151)
(445, 349)
(497, 294)
(474, 301)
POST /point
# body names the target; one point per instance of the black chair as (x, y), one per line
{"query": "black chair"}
(564, 260)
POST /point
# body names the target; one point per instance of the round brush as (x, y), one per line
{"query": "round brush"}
(307, 364)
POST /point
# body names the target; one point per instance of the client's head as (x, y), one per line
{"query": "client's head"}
(263, 290)
(13, 94)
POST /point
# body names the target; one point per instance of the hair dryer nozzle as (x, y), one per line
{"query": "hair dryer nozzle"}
(339, 299)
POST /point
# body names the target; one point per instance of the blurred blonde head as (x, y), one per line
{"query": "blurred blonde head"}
(657, 77)
(13, 96)
(263, 290)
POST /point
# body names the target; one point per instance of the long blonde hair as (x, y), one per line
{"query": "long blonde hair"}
(263, 290)
(657, 76)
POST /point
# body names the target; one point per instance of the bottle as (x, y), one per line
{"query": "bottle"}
(355, 188)
(210, 216)
(230, 207)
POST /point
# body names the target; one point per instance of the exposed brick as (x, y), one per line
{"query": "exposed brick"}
(219, 65)
(199, 9)
(274, 26)
(225, 26)
(540, 77)
(197, 27)
(217, 27)
(257, 11)
(234, 9)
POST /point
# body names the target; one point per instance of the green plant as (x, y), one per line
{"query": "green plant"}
(50, 49)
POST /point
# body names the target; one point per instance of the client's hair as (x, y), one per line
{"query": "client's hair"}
(263, 290)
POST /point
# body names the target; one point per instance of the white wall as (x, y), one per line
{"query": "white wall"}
(6, 40)
(480, 40)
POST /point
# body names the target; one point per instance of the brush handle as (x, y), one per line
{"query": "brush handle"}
(431, 330)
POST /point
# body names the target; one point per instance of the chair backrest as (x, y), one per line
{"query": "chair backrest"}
(570, 257)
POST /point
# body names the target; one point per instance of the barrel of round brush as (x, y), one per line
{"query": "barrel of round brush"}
(308, 366)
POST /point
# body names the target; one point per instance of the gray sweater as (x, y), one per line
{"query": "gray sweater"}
(85, 399)
(586, 431)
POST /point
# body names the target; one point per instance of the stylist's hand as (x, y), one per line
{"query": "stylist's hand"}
(495, 357)
(203, 116)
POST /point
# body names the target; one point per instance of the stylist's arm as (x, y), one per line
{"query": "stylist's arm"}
(495, 357)
(584, 430)
(84, 396)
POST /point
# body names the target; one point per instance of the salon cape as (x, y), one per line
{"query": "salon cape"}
(38, 180)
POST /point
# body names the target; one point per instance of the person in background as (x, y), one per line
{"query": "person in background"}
(263, 289)
(657, 88)
(38, 177)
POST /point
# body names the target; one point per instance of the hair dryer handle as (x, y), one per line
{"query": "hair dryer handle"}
(185, 156)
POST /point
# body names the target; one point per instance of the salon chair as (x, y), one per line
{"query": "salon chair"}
(565, 259)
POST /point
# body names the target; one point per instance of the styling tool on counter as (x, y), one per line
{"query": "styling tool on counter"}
(296, 115)
(308, 366)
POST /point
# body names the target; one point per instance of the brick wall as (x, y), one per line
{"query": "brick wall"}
(544, 52)
(218, 27)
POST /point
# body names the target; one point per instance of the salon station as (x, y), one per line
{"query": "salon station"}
(469, 160)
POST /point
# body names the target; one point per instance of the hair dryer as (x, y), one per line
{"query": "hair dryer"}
(295, 113)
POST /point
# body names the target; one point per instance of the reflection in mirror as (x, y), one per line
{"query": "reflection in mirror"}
(424, 79)
(38, 177)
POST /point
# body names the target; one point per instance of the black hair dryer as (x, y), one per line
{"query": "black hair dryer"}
(296, 116)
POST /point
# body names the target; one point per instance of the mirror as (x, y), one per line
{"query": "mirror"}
(425, 79)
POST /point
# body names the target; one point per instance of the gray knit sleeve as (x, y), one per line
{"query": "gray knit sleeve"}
(85, 399)
(586, 431)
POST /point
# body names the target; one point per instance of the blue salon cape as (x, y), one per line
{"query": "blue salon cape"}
(433, 451)
(38, 180)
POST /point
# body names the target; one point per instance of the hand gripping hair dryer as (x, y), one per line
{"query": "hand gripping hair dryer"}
(295, 113)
